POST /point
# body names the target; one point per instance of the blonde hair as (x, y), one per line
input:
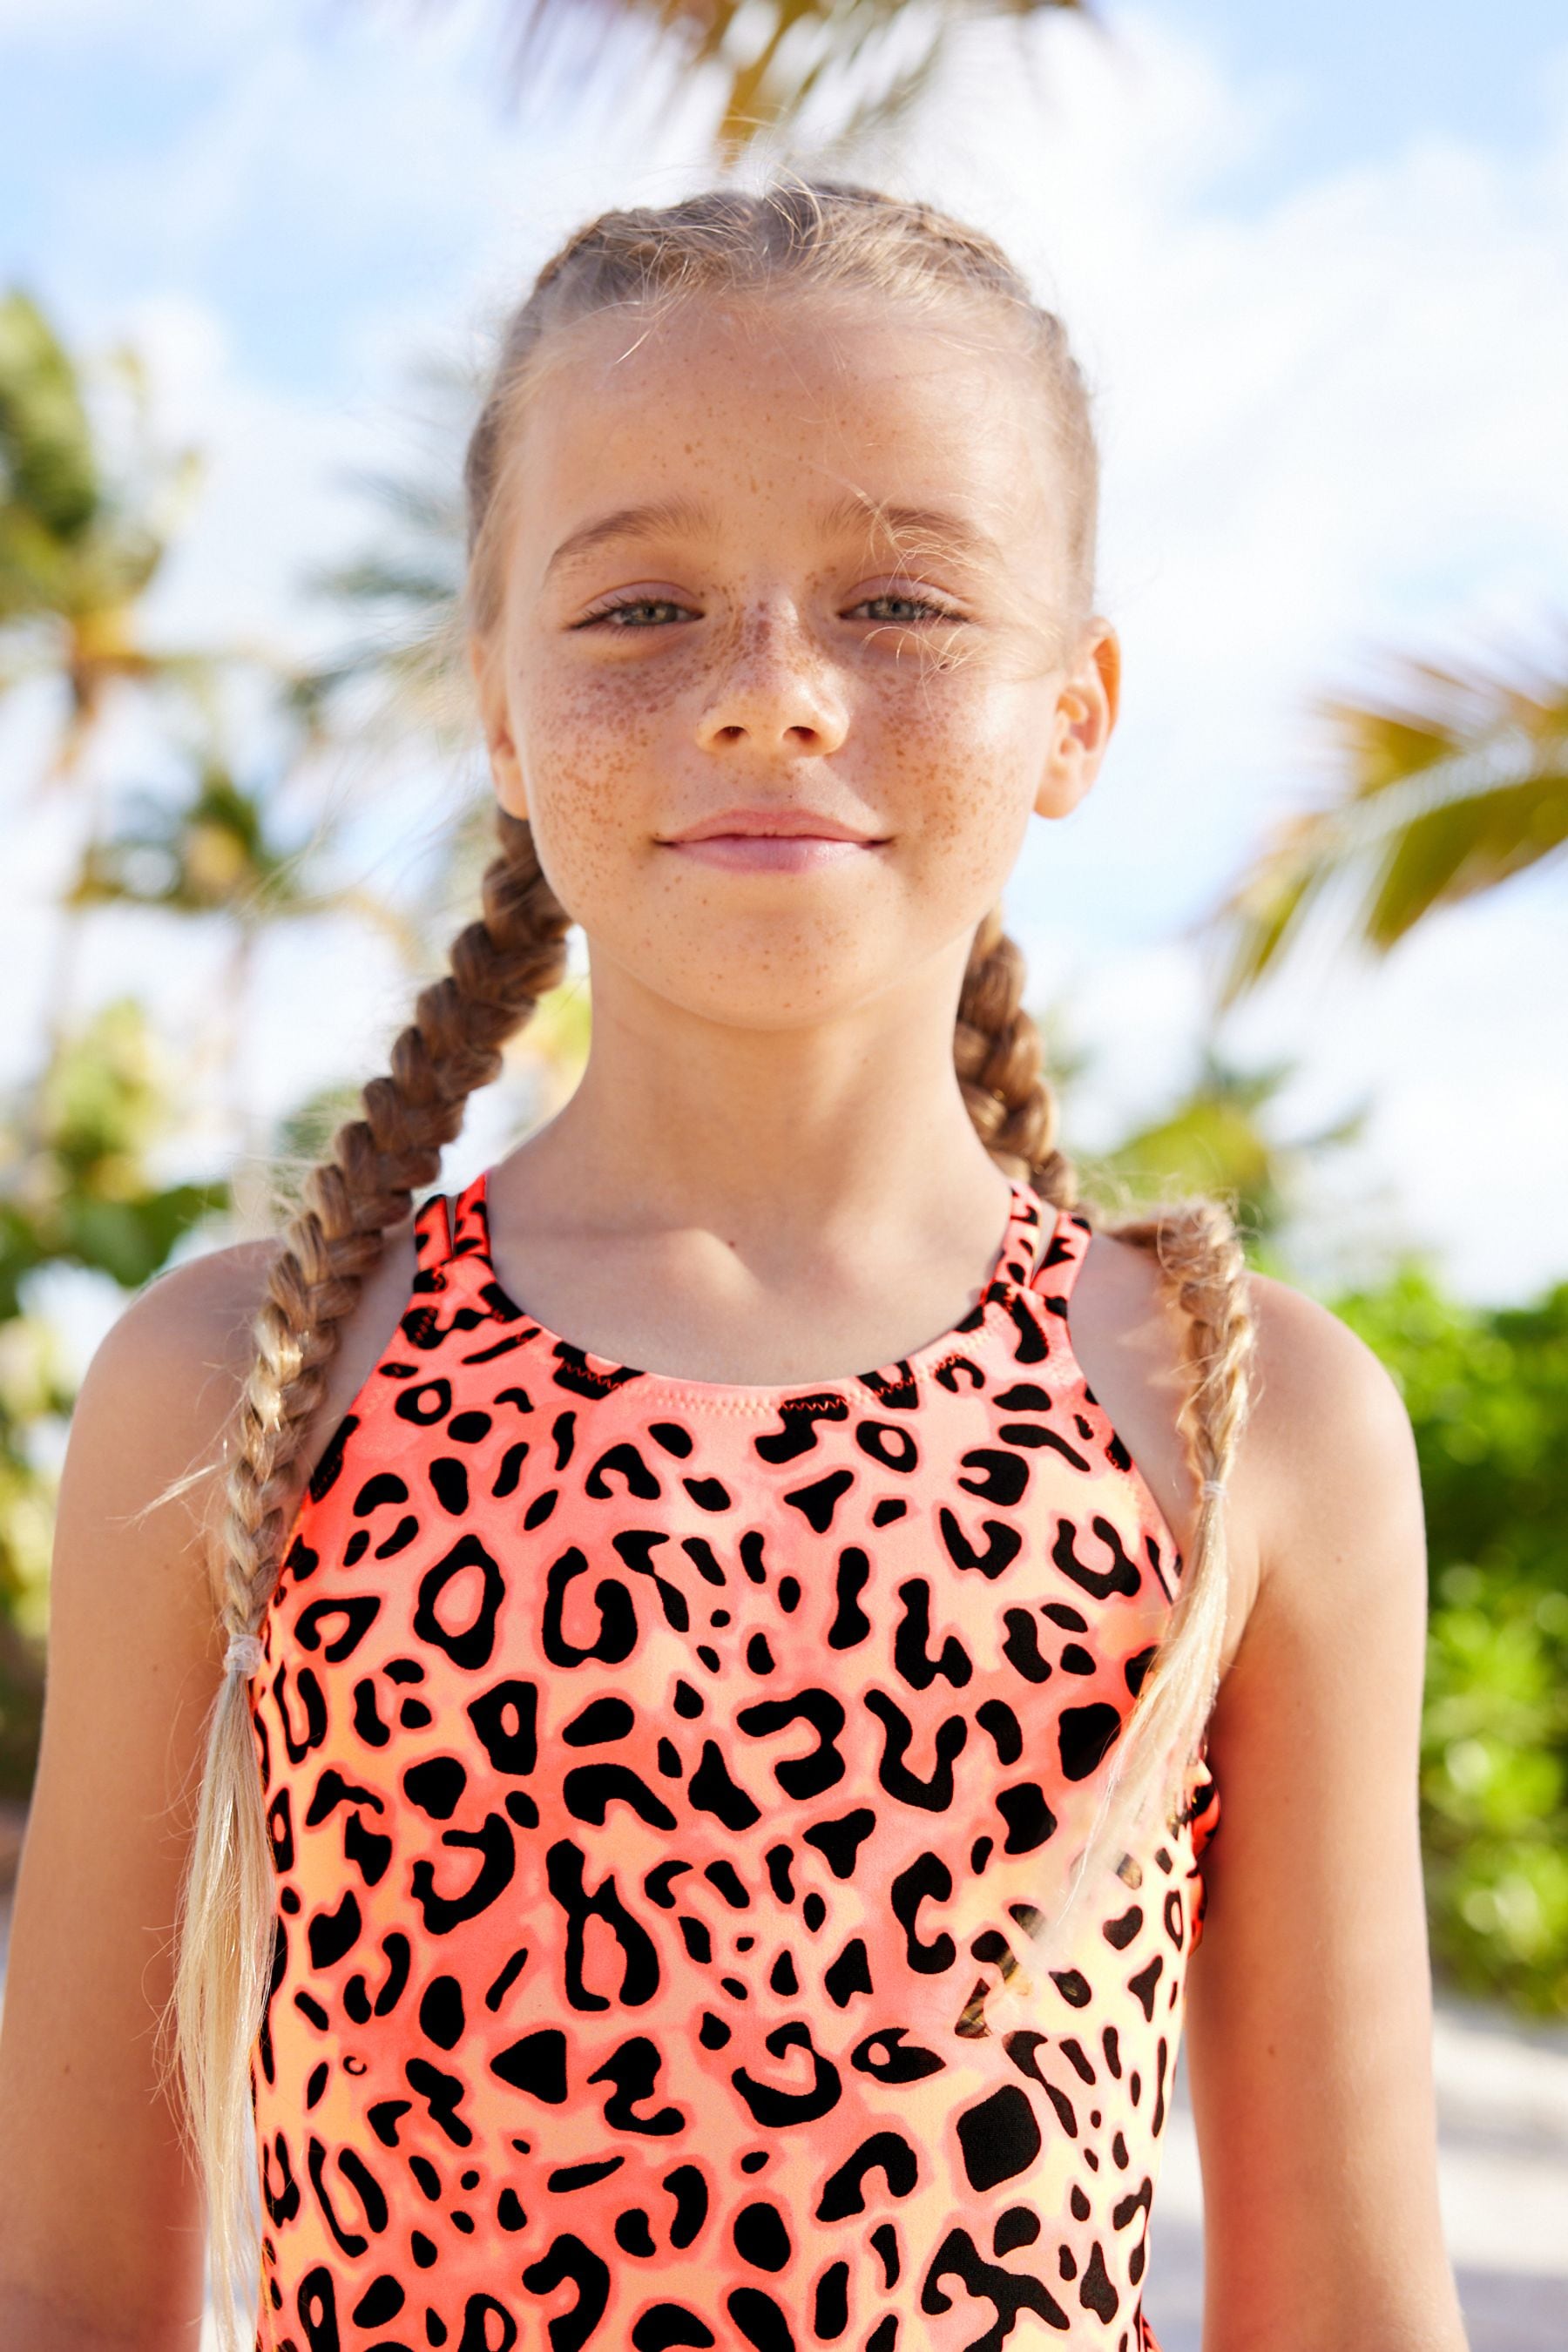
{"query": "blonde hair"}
(817, 234)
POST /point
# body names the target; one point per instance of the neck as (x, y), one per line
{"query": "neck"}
(786, 1137)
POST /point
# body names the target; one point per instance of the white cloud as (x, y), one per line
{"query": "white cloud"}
(274, 500)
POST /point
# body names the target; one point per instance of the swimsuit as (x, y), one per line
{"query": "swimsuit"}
(662, 1778)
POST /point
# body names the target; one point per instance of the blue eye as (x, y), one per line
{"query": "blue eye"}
(917, 603)
(610, 614)
(632, 604)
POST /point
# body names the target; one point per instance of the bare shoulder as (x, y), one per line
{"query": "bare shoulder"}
(142, 1463)
(1332, 1472)
(1313, 1352)
(1326, 1442)
(164, 1382)
(131, 1588)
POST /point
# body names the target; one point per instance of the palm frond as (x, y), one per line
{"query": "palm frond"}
(1448, 789)
(47, 468)
(777, 54)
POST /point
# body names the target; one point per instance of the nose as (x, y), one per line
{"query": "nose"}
(775, 689)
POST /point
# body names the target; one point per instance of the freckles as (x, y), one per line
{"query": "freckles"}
(968, 828)
(620, 697)
(597, 708)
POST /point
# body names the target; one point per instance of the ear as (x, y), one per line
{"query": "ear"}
(1088, 696)
(486, 660)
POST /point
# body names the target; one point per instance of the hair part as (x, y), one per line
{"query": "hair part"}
(827, 234)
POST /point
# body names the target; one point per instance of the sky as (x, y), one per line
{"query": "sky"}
(1315, 264)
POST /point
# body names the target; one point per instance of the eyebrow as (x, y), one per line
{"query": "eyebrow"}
(660, 518)
(937, 530)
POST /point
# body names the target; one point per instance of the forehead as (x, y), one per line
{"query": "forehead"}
(798, 409)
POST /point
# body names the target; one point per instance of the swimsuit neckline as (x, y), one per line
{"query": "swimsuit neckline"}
(1030, 1226)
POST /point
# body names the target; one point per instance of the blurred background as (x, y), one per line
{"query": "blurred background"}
(1304, 943)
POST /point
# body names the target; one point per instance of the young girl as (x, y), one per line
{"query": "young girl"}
(698, 1841)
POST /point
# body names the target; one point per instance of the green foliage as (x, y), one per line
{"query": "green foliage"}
(47, 465)
(223, 849)
(1486, 1390)
(33, 1393)
(1455, 781)
(76, 1185)
(77, 1188)
(85, 519)
(71, 545)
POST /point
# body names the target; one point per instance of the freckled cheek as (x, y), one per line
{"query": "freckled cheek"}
(593, 759)
(608, 766)
(964, 791)
(966, 849)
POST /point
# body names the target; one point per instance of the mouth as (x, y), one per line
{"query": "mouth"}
(777, 841)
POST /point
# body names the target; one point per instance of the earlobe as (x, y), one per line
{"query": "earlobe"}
(1082, 721)
(1071, 762)
(1063, 783)
(506, 769)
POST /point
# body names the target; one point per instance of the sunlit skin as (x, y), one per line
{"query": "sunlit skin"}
(772, 1042)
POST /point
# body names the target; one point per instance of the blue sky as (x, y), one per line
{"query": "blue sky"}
(97, 89)
(1366, 75)
(1315, 260)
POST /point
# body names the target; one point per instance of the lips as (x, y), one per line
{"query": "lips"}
(792, 824)
(783, 840)
(773, 853)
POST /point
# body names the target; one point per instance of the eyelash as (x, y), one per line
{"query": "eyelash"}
(653, 603)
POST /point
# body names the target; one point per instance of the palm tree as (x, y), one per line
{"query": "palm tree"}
(77, 551)
(777, 55)
(1449, 789)
(89, 1194)
(82, 542)
(222, 853)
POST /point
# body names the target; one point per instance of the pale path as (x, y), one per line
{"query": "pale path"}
(1502, 2113)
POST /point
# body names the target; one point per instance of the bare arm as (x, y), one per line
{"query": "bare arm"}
(1309, 2012)
(102, 2223)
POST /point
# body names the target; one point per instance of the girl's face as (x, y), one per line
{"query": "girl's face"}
(804, 566)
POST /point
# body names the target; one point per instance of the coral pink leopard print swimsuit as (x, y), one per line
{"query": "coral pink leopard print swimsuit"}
(662, 1779)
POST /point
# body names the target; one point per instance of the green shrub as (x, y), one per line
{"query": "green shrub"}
(1486, 1390)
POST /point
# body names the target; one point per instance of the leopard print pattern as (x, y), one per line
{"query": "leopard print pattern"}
(662, 1779)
